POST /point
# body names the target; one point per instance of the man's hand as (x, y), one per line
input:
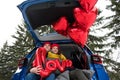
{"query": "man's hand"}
(36, 70)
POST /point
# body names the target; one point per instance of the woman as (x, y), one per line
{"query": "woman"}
(55, 53)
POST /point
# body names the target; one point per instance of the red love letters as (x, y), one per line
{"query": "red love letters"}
(50, 65)
(40, 56)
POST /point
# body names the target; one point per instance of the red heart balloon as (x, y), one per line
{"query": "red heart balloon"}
(78, 35)
(85, 20)
(78, 31)
(87, 5)
(60, 26)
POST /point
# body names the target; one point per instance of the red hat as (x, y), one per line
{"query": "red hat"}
(46, 43)
(53, 45)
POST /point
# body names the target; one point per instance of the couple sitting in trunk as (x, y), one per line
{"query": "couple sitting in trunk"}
(51, 64)
(52, 53)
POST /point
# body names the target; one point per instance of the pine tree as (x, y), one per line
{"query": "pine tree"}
(23, 41)
(114, 25)
(114, 34)
(106, 44)
(96, 40)
(10, 54)
(7, 62)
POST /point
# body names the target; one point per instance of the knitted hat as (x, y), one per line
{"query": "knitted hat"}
(53, 45)
(46, 43)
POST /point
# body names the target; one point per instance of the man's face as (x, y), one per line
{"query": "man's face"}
(47, 47)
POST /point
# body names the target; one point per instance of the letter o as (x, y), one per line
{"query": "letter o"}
(51, 65)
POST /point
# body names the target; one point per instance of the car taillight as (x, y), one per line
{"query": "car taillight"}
(22, 62)
(96, 59)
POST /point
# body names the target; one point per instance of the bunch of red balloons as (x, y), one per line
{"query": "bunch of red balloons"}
(84, 17)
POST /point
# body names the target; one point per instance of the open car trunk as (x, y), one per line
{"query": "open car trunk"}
(44, 12)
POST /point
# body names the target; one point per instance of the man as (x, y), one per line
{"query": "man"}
(35, 70)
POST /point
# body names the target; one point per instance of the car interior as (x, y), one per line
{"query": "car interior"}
(76, 55)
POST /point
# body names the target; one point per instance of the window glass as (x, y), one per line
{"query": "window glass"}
(43, 30)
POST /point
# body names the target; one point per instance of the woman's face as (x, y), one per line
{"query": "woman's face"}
(55, 49)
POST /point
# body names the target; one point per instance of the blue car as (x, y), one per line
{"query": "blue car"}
(37, 13)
